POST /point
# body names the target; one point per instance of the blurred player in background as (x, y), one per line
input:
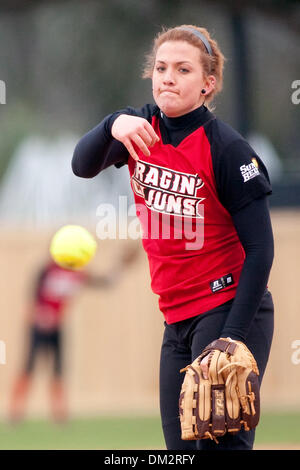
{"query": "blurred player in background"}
(54, 288)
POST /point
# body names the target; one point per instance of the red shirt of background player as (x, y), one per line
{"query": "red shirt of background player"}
(55, 287)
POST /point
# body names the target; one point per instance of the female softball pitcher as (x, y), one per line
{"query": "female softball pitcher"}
(201, 196)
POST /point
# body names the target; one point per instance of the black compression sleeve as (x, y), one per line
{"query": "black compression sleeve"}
(97, 150)
(254, 229)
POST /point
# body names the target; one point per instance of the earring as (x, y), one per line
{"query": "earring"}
(203, 91)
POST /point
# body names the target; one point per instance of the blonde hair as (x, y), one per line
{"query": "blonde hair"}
(212, 64)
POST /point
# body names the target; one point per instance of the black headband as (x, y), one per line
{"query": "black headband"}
(200, 36)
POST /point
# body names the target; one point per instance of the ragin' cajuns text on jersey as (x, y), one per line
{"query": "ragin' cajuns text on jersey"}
(194, 253)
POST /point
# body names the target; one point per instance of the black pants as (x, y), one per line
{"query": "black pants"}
(182, 343)
(48, 342)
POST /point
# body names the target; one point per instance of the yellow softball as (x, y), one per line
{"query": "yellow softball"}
(72, 247)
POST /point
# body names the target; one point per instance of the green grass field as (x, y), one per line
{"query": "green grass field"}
(129, 433)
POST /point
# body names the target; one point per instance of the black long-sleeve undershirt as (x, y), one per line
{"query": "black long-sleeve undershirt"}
(254, 229)
(97, 150)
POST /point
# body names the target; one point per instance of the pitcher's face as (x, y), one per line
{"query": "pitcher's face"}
(178, 78)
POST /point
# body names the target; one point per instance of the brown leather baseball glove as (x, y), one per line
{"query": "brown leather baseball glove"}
(227, 400)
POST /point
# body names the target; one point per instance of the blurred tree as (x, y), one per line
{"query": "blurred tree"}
(71, 62)
(285, 10)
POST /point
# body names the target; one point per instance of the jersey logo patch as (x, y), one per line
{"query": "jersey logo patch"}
(221, 283)
(249, 171)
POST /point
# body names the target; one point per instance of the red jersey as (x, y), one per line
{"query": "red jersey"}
(194, 253)
(189, 192)
(55, 288)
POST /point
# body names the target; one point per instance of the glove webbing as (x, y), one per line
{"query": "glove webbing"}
(199, 427)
